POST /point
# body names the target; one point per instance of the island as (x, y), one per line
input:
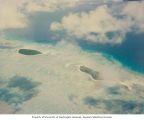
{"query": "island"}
(94, 74)
(29, 52)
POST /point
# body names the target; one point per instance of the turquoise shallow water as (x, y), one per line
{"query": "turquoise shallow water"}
(130, 53)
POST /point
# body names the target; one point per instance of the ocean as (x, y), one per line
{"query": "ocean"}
(130, 53)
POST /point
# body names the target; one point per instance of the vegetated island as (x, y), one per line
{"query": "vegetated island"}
(29, 52)
(94, 74)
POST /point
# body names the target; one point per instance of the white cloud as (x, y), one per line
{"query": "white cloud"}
(97, 24)
(10, 16)
(134, 12)
(99, 21)
(49, 5)
(81, 25)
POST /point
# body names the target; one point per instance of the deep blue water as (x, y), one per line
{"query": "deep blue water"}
(130, 53)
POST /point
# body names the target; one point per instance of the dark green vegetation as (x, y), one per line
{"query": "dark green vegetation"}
(116, 106)
(29, 52)
(17, 90)
(94, 74)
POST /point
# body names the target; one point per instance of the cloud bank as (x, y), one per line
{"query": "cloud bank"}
(104, 24)
(49, 5)
(13, 14)
(10, 15)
